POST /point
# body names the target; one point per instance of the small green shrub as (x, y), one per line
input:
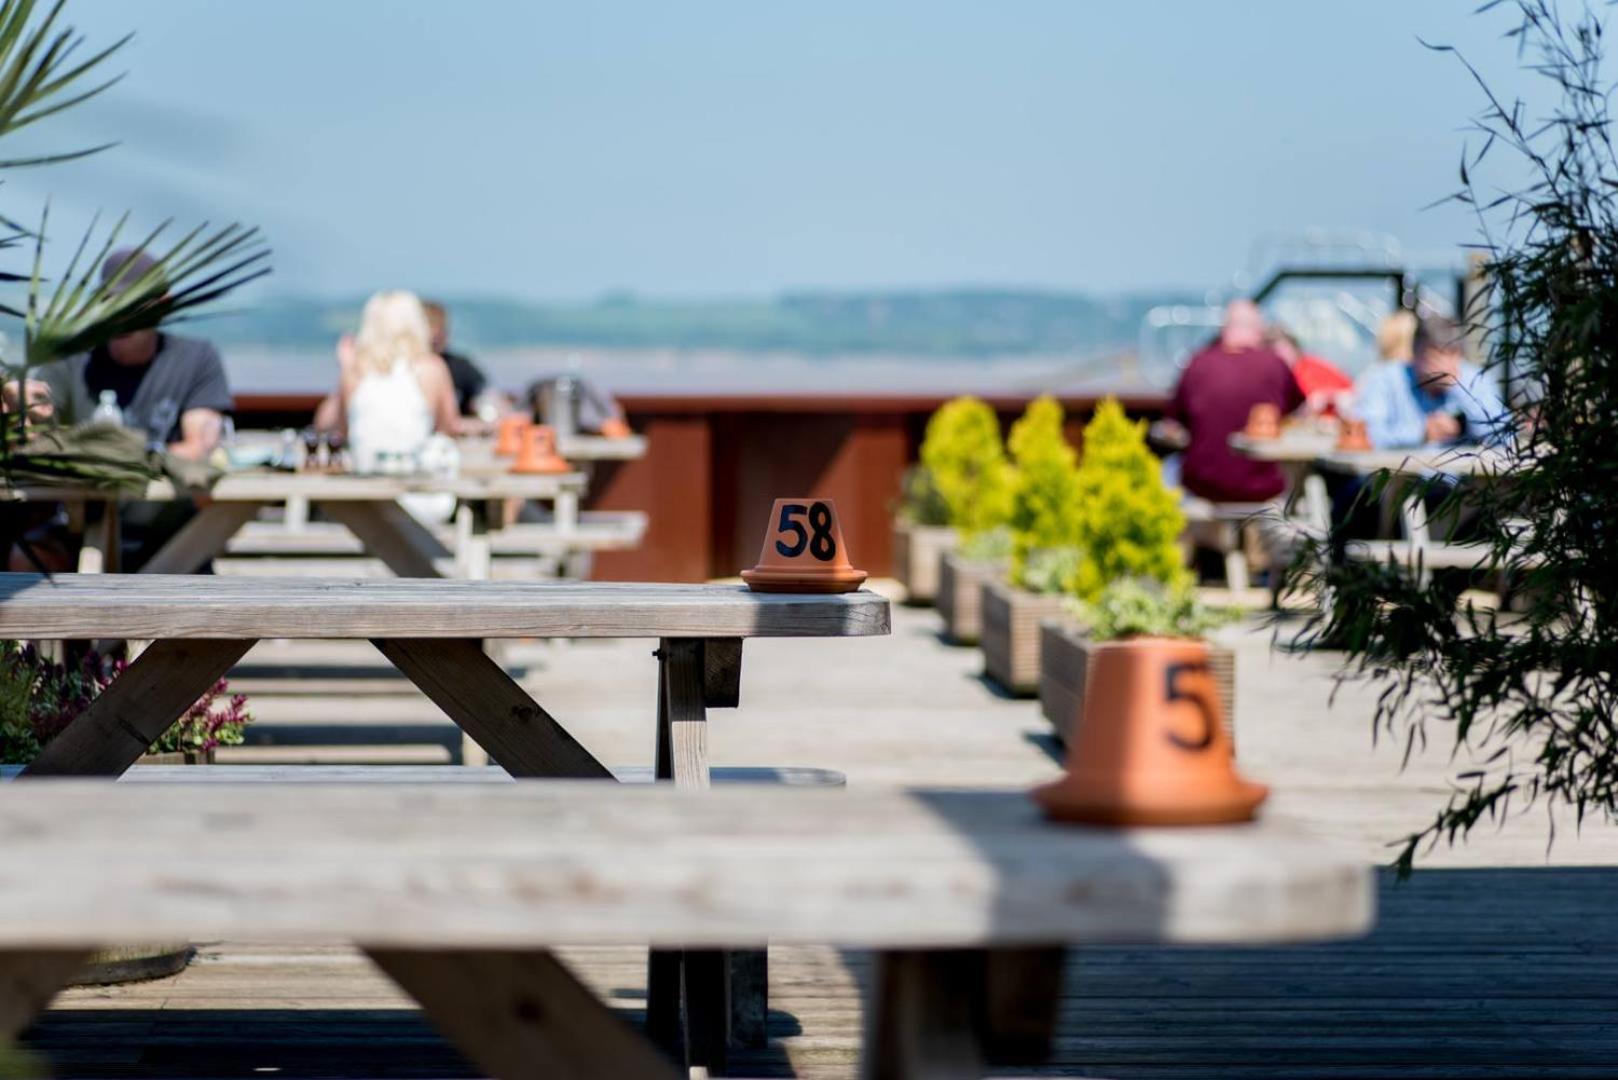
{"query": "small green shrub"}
(40, 698)
(966, 463)
(1050, 570)
(1126, 522)
(920, 502)
(990, 545)
(1142, 607)
(1044, 501)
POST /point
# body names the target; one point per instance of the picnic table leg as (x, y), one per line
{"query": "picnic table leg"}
(1022, 988)
(697, 985)
(517, 1015)
(28, 982)
(663, 966)
(100, 553)
(137, 707)
(487, 704)
(923, 1019)
(389, 532)
(201, 538)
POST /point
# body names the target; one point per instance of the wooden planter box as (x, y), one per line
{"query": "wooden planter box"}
(960, 601)
(1010, 637)
(917, 551)
(1064, 661)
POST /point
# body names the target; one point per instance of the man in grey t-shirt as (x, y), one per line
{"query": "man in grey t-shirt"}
(170, 386)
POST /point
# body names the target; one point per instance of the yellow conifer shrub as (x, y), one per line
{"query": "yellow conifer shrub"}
(966, 463)
(1128, 523)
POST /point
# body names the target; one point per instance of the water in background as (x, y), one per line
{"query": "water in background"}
(255, 369)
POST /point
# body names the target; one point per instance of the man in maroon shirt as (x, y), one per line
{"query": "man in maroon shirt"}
(1217, 390)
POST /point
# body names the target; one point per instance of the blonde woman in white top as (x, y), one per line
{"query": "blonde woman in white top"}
(394, 394)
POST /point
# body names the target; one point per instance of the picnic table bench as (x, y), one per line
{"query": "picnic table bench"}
(433, 632)
(459, 891)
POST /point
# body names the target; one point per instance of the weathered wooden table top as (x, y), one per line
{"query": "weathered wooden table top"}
(150, 606)
(535, 864)
(273, 486)
(1422, 461)
(1294, 447)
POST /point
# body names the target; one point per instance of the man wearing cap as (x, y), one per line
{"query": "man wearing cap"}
(169, 386)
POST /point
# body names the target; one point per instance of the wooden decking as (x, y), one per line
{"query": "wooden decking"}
(1497, 961)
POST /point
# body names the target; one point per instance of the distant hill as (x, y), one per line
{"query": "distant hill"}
(957, 322)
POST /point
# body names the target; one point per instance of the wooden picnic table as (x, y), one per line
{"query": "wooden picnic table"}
(1417, 462)
(1292, 447)
(458, 892)
(433, 632)
(368, 505)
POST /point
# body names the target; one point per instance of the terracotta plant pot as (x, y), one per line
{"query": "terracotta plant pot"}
(1152, 749)
(538, 454)
(917, 551)
(804, 551)
(1264, 421)
(960, 595)
(508, 434)
(1010, 634)
(1353, 436)
(1065, 654)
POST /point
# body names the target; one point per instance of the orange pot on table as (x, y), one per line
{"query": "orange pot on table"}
(804, 551)
(538, 454)
(1264, 421)
(1353, 436)
(614, 428)
(1151, 748)
(509, 434)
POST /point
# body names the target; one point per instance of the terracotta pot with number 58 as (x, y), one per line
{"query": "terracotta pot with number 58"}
(1151, 748)
(804, 551)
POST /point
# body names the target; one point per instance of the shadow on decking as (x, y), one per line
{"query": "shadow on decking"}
(310, 1044)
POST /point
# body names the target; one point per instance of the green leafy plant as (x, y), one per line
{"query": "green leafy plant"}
(920, 502)
(39, 698)
(40, 78)
(1049, 571)
(1128, 523)
(990, 545)
(1531, 694)
(1143, 607)
(1044, 497)
(965, 461)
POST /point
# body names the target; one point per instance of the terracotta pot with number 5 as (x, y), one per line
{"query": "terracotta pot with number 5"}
(1151, 748)
(804, 551)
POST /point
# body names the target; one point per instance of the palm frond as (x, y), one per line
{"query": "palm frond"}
(82, 311)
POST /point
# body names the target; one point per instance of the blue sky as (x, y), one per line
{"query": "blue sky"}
(556, 151)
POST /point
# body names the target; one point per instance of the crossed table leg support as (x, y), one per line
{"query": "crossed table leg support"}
(696, 999)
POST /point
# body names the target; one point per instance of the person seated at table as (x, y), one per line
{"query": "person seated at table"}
(1434, 399)
(395, 397)
(473, 395)
(1216, 392)
(393, 392)
(595, 411)
(170, 386)
(1322, 382)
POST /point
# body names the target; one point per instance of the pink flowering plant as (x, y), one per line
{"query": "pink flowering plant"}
(39, 698)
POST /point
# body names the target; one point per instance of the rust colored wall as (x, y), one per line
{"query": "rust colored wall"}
(671, 484)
